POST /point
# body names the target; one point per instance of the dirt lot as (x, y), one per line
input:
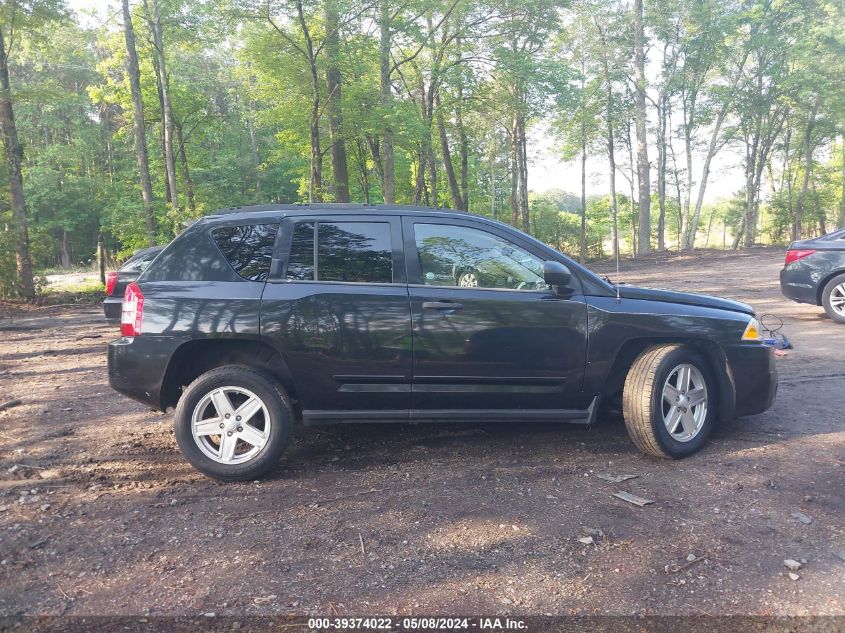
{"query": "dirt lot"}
(100, 515)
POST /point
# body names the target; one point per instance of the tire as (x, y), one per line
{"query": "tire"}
(646, 410)
(248, 451)
(832, 297)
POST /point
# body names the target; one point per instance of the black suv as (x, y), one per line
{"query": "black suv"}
(258, 318)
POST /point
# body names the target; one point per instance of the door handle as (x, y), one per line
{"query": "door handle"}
(441, 305)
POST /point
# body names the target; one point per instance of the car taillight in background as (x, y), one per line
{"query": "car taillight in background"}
(133, 311)
(111, 280)
(793, 255)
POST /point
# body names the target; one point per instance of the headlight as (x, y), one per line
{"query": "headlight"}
(753, 331)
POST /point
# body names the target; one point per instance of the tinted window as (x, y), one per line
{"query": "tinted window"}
(301, 260)
(248, 248)
(139, 262)
(471, 258)
(354, 251)
(346, 251)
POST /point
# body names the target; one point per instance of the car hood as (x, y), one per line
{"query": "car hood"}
(683, 298)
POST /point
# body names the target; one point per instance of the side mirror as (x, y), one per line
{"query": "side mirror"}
(556, 274)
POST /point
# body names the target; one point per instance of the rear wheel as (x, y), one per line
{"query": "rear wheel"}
(668, 401)
(233, 423)
(833, 298)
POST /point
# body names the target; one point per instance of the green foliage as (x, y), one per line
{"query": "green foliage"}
(241, 85)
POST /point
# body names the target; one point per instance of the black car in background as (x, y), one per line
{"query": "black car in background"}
(117, 281)
(814, 272)
(256, 319)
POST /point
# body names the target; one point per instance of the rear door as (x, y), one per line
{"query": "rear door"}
(338, 312)
(489, 334)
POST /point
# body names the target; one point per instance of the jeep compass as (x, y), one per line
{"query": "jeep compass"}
(258, 319)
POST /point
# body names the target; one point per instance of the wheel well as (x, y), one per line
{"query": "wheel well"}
(709, 350)
(194, 358)
(821, 286)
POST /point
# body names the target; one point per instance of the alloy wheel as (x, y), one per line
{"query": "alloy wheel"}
(230, 425)
(684, 402)
(837, 299)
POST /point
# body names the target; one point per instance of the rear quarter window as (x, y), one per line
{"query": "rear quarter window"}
(248, 248)
(193, 256)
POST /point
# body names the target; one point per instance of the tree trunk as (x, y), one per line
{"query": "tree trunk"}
(709, 227)
(14, 157)
(334, 84)
(842, 198)
(419, 188)
(582, 250)
(808, 168)
(141, 156)
(685, 221)
(256, 156)
(643, 176)
(388, 169)
(167, 110)
(167, 199)
(611, 152)
(492, 158)
(661, 172)
(689, 238)
(65, 250)
(611, 159)
(315, 178)
(463, 144)
(514, 139)
(523, 174)
(187, 182)
(457, 199)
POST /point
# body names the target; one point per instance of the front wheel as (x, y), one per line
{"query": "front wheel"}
(233, 423)
(668, 401)
(833, 298)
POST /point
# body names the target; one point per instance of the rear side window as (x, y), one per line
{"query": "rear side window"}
(139, 263)
(248, 248)
(346, 251)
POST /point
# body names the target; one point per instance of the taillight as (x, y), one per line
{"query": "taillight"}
(133, 311)
(796, 254)
(111, 280)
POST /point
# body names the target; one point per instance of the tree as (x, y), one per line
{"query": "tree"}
(154, 20)
(134, 74)
(643, 167)
(334, 99)
(18, 16)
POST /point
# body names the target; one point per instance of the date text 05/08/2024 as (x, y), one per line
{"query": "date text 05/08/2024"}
(417, 624)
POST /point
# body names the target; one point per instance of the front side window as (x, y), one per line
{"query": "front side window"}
(248, 248)
(471, 258)
(346, 251)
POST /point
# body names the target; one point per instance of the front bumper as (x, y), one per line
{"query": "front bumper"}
(755, 377)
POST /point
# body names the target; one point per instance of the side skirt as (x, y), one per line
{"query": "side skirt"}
(569, 416)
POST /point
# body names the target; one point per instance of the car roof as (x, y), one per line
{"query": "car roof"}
(258, 210)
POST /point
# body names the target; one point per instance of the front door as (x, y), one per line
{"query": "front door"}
(489, 334)
(338, 313)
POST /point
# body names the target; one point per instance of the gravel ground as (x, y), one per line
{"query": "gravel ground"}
(100, 515)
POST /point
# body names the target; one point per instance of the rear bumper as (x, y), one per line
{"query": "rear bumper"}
(112, 307)
(755, 377)
(137, 365)
(797, 285)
